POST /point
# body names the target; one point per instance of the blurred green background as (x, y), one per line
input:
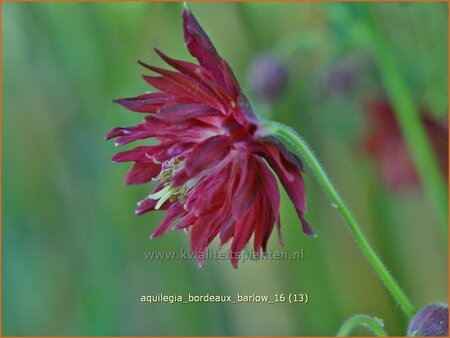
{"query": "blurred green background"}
(73, 250)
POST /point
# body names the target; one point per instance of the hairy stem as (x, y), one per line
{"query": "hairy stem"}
(372, 324)
(307, 155)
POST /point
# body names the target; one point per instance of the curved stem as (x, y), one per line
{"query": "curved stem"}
(372, 324)
(307, 155)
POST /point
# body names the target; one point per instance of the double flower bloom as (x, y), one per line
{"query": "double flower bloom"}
(211, 165)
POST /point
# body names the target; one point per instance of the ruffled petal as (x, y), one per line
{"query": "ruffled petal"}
(183, 131)
(174, 212)
(185, 67)
(288, 173)
(246, 191)
(210, 194)
(201, 47)
(185, 111)
(123, 131)
(130, 134)
(288, 170)
(203, 156)
(146, 103)
(243, 230)
(270, 197)
(307, 229)
(181, 85)
(142, 173)
(138, 154)
(203, 231)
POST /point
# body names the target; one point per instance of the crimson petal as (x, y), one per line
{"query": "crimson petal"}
(246, 191)
(146, 103)
(201, 47)
(204, 155)
(280, 159)
(288, 173)
(181, 84)
(142, 173)
(175, 211)
(138, 154)
(243, 230)
(185, 67)
(185, 111)
(307, 229)
(272, 199)
(122, 131)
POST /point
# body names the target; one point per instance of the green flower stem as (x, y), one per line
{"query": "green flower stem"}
(409, 119)
(307, 155)
(373, 324)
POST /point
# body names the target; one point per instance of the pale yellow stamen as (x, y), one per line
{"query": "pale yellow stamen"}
(162, 196)
(168, 192)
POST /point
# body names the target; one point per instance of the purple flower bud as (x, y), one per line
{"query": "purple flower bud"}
(341, 79)
(346, 74)
(431, 321)
(268, 76)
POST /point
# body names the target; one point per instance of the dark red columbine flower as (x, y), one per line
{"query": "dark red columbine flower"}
(385, 142)
(211, 165)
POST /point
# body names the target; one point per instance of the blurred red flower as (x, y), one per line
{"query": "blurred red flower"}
(212, 161)
(385, 143)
